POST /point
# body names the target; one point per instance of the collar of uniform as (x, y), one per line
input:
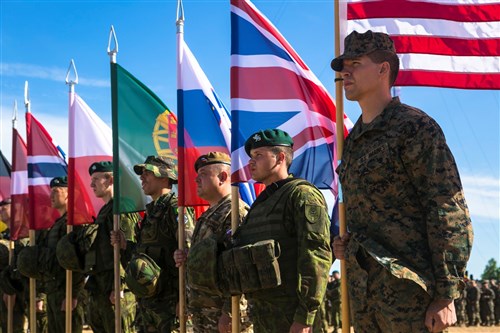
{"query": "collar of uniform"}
(271, 189)
(379, 123)
(214, 208)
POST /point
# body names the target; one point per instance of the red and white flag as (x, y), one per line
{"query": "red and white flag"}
(19, 188)
(441, 43)
(90, 140)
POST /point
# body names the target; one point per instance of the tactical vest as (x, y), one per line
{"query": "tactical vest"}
(100, 256)
(266, 220)
(54, 270)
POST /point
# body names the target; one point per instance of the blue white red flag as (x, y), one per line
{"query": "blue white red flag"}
(271, 87)
(440, 43)
(19, 209)
(204, 124)
(90, 140)
(44, 163)
(5, 170)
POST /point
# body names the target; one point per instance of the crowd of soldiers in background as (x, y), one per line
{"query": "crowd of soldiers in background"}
(479, 304)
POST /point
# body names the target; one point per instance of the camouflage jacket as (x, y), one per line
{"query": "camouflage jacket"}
(404, 200)
(157, 237)
(101, 279)
(216, 222)
(56, 278)
(305, 220)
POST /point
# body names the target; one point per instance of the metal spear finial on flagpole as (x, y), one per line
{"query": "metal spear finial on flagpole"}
(14, 115)
(112, 52)
(180, 17)
(27, 102)
(70, 82)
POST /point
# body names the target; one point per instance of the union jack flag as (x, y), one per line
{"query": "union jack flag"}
(271, 87)
(45, 162)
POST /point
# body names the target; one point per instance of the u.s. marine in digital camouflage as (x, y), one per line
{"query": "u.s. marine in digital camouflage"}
(410, 229)
(293, 213)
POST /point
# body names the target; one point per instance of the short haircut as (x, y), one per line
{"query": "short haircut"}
(380, 56)
(288, 151)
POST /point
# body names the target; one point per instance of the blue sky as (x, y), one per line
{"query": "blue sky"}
(39, 38)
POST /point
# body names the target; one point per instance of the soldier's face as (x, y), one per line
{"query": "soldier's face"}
(361, 78)
(152, 185)
(58, 197)
(262, 164)
(5, 213)
(101, 184)
(207, 182)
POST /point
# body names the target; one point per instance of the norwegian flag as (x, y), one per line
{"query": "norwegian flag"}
(271, 87)
(44, 163)
(440, 43)
(19, 188)
(90, 140)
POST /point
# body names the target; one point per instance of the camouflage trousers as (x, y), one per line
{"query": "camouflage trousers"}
(336, 314)
(57, 317)
(379, 301)
(473, 313)
(205, 320)
(19, 317)
(156, 315)
(101, 313)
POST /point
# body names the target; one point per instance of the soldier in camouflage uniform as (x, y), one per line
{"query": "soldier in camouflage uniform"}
(487, 305)
(496, 290)
(292, 213)
(211, 313)
(157, 238)
(55, 277)
(99, 260)
(333, 292)
(409, 226)
(460, 306)
(473, 296)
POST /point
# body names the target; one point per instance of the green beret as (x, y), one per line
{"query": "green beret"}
(357, 45)
(161, 166)
(103, 166)
(268, 138)
(213, 157)
(6, 201)
(59, 182)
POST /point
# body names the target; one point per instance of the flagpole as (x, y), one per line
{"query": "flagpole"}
(181, 228)
(10, 301)
(27, 104)
(69, 274)
(339, 98)
(116, 217)
(235, 218)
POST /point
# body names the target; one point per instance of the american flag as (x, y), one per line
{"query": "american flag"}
(271, 87)
(44, 163)
(442, 43)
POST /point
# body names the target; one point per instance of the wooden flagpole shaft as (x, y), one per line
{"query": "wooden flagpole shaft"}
(339, 99)
(117, 285)
(182, 273)
(10, 303)
(69, 293)
(235, 217)
(32, 291)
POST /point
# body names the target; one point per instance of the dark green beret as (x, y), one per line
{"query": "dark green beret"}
(103, 166)
(213, 157)
(6, 201)
(268, 138)
(161, 166)
(59, 182)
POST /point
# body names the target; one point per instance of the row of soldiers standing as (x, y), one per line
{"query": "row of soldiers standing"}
(479, 305)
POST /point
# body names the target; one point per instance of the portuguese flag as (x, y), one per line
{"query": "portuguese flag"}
(142, 126)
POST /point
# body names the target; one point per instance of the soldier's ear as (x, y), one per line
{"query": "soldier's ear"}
(223, 175)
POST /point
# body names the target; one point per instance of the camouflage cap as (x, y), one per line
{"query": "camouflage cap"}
(67, 254)
(268, 137)
(102, 166)
(357, 45)
(142, 275)
(27, 262)
(6, 201)
(213, 157)
(59, 182)
(161, 166)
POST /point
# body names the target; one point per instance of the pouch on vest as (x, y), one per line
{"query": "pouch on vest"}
(265, 256)
(90, 261)
(229, 277)
(201, 266)
(249, 276)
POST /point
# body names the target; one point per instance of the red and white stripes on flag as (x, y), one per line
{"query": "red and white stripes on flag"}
(442, 43)
(19, 188)
(90, 140)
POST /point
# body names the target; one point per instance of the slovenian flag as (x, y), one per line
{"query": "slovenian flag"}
(90, 140)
